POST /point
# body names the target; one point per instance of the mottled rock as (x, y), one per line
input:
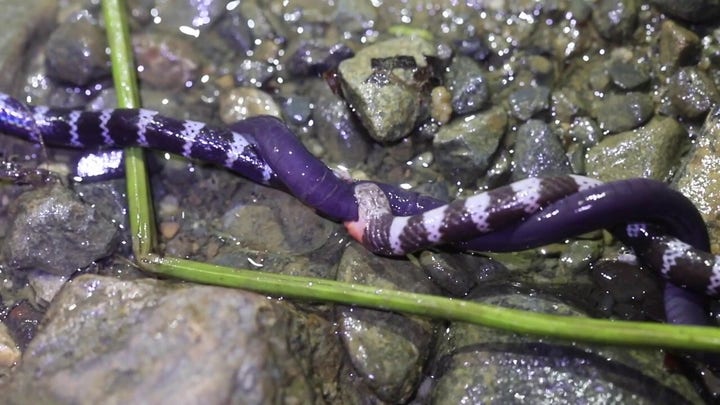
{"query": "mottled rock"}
(625, 290)
(468, 86)
(528, 101)
(538, 152)
(692, 92)
(621, 112)
(54, 231)
(312, 58)
(458, 273)
(387, 99)
(75, 52)
(387, 349)
(616, 19)
(464, 147)
(112, 341)
(700, 178)
(651, 151)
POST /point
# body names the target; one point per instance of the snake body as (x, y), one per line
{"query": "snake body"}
(663, 227)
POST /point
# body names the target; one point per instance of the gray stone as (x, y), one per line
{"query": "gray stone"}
(621, 112)
(538, 152)
(464, 147)
(466, 82)
(52, 230)
(628, 76)
(585, 131)
(678, 45)
(528, 101)
(651, 151)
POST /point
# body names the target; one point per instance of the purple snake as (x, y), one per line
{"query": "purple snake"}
(660, 224)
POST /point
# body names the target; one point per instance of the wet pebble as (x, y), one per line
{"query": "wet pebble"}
(53, 230)
(463, 148)
(387, 349)
(585, 131)
(253, 73)
(651, 151)
(173, 15)
(626, 291)
(628, 76)
(538, 152)
(692, 92)
(387, 99)
(75, 52)
(165, 62)
(45, 285)
(458, 274)
(297, 109)
(579, 255)
(678, 45)
(22, 322)
(244, 102)
(312, 58)
(616, 20)
(468, 86)
(337, 130)
(528, 101)
(621, 112)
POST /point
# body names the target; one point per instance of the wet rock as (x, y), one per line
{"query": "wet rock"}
(243, 102)
(458, 274)
(585, 131)
(338, 131)
(45, 285)
(567, 103)
(481, 365)
(464, 147)
(75, 52)
(22, 25)
(171, 15)
(690, 10)
(700, 178)
(621, 112)
(538, 152)
(387, 349)
(106, 340)
(579, 255)
(387, 99)
(276, 222)
(475, 47)
(678, 45)
(468, 86)
(297, 110)
(692, 92)
(253, 73)
(624, 290)
(312, 58)
(616, 19)
(651, 151)
(165, 62)
(528, 101)
(234, 29)
(54, 231)
(628, 76)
